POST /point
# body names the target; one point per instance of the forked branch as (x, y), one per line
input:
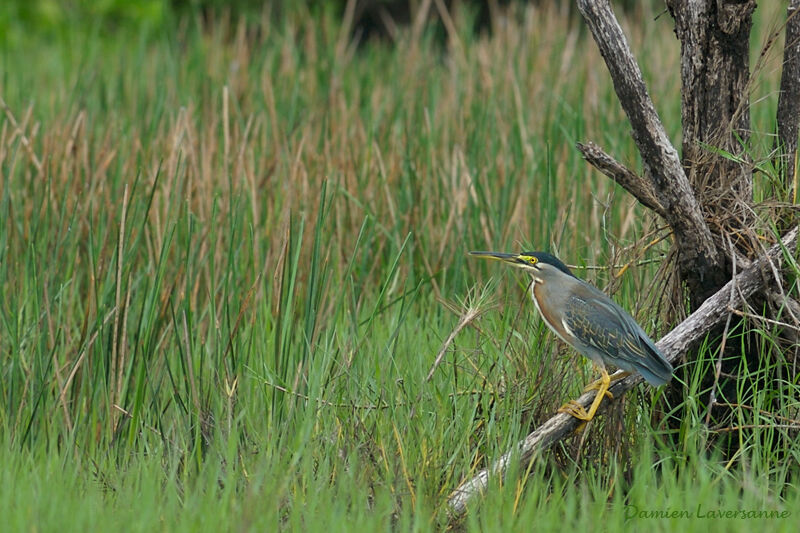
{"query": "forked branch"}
(659, 157)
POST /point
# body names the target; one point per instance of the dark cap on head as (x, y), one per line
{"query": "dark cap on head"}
(552, 260)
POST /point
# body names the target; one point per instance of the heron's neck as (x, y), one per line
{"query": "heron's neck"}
(534, 281)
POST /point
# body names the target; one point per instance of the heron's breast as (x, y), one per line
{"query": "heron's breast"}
(549, 315)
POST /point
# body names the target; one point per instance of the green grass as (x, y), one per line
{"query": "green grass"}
(229, 258)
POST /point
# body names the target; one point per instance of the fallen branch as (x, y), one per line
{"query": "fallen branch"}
(673, 345)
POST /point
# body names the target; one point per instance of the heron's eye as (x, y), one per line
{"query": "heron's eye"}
(532, 260)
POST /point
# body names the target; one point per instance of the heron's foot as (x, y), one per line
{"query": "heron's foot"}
(577, 410)
(580, 412)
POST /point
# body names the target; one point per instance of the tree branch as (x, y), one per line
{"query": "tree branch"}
(672, 345)
(639, 187)
(659, 157)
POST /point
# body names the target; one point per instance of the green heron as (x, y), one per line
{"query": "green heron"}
(589, 321)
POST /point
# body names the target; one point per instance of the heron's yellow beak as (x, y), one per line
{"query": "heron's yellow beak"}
(500, 256)
(513, 259)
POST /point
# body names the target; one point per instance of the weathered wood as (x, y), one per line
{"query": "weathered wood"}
(639, 187)
(697, 251)
(715, 100)
(788, 113)
(673, 345)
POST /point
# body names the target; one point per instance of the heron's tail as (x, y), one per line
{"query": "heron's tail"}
(654, 368)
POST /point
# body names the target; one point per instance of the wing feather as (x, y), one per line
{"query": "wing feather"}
(606, 331)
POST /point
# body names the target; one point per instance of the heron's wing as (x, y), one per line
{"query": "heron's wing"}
(605, 328)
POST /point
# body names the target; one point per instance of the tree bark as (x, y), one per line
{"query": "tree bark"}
(673, 345)
(789, 99)
(715, 100)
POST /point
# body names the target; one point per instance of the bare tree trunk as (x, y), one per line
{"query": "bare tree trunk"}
(715, 115)
(700, 264)
(715, 103)
(789, 99)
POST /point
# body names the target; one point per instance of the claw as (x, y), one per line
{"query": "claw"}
(578, 411)
(575, 409)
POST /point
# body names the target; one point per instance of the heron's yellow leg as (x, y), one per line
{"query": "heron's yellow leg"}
(578, 411)
(596, 384)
